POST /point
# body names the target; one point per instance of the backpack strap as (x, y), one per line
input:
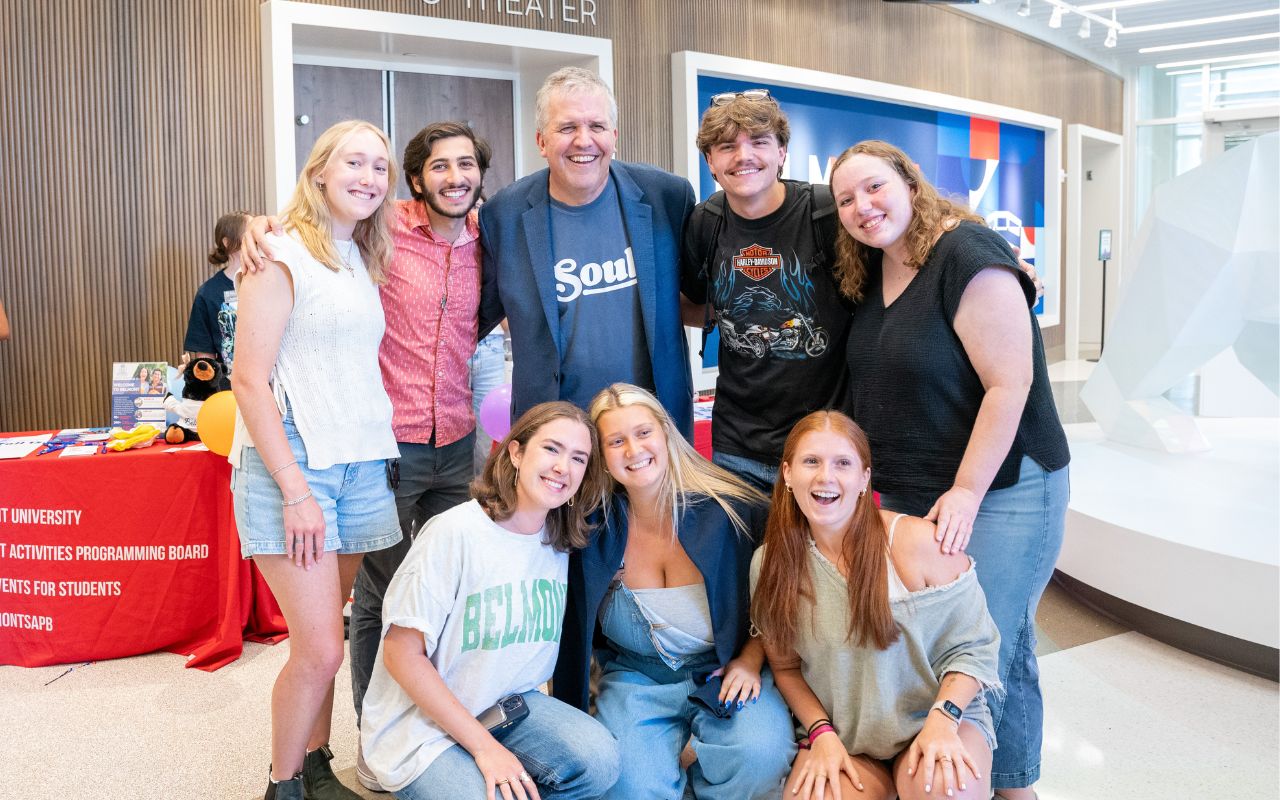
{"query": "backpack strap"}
(709, 225)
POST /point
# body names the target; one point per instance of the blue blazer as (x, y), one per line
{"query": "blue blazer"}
(518, 282)
(720, 553)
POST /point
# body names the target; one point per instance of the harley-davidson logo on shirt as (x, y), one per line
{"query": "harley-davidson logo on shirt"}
(757, 262)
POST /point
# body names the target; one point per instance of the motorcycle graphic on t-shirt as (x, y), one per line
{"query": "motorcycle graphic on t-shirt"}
(757, 321)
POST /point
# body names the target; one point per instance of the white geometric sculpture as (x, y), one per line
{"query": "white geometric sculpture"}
(1207, 277)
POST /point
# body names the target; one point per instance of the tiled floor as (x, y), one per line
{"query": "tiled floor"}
(1126, 717)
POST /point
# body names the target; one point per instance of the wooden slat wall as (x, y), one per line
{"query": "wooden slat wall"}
(128, 127)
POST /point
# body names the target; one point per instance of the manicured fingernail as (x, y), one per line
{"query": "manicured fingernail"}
(727, 702)
(963, 787)
(950, 793)
(928, 788)
(755, 700)
(739, 705)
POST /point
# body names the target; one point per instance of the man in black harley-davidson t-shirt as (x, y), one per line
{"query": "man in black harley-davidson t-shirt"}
(761, 253)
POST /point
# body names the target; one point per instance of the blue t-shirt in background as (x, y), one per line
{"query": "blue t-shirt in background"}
(601, 325)
(211, 328)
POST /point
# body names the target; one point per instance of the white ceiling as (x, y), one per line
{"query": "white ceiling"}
(1125, 54)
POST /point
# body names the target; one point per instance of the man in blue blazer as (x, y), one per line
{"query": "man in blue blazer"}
(583, 259)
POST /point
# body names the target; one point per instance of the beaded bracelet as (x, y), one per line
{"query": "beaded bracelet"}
(281, 468)
(287, 503)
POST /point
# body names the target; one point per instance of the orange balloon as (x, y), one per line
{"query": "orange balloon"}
(216, 422)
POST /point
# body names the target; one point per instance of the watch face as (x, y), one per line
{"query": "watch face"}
(954, 710)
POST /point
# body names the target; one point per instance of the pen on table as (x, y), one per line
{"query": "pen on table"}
(67, 671)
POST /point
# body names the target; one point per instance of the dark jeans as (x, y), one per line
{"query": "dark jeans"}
(432, 479)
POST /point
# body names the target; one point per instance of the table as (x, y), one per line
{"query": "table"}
(117, 554)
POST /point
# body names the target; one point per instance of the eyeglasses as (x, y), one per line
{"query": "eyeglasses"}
(725, 98)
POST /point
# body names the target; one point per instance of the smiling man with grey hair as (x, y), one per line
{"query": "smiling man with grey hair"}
(583, 259)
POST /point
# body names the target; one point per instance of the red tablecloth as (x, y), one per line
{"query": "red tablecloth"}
(118, 554)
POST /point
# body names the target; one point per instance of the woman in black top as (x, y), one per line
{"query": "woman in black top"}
(949, 381)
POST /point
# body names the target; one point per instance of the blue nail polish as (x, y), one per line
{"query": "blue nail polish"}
(739, 705)
(727, 703)
(755, 700)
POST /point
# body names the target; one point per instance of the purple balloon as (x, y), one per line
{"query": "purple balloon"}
(495, 412)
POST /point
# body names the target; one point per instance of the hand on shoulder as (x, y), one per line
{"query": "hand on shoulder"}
(915, 546)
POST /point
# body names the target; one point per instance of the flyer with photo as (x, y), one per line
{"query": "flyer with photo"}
(137, 393)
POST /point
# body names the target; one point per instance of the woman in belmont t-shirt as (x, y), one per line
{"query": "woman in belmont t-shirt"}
(475, 614)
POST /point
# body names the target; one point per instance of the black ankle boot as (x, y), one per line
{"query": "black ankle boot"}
(318, 780)
(284, 790)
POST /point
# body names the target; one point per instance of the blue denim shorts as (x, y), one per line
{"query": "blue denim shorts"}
(359, 508)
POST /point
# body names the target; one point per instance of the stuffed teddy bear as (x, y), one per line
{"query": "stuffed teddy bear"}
(205, 378)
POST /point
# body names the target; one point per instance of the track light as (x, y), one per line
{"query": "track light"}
(1024, 10)
(1085, 29)
(1111, 31)
(1055, 19)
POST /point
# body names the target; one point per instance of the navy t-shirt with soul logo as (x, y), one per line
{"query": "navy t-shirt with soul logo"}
(601, 325)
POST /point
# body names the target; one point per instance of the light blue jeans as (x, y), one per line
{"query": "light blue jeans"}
(488, 366)
(569, 755)
(644, 701)
(1016, 539)
(756, 473)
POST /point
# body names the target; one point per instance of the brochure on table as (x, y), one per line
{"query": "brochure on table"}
(137, 393)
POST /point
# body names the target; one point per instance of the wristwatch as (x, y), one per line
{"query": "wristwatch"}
(954, 712)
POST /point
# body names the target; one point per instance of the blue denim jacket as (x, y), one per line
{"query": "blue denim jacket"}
(720, 553)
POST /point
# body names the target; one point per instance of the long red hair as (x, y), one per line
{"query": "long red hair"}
(784, 572)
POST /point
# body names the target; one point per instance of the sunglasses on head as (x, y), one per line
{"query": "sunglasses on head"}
(725, 98)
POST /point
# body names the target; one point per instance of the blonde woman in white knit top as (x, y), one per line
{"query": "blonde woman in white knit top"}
(311, 481)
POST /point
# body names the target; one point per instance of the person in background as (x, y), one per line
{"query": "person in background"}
(447, 654)
(488, 367)
(661, 593)
(956, 401)
(211, 326)
(431, 299)
(312, 446)
(881, 644)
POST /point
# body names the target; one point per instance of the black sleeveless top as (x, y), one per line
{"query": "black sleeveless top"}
(912, 387)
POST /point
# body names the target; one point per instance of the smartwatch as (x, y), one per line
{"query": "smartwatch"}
(954, 712)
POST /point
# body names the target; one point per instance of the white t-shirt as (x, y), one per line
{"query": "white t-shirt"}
(490, 605)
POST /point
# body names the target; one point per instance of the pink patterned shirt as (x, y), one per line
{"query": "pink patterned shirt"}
(431, 301)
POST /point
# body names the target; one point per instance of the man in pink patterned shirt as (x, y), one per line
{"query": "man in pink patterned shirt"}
(431, 301)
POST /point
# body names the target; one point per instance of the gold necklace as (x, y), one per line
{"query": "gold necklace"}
(346, 258)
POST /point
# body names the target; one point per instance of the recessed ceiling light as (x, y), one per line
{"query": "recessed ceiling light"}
(1267, 59)
(1189, 23)
(1117, 4)
(1164, 48)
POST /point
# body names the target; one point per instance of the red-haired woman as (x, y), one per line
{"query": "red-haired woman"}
(880, 643)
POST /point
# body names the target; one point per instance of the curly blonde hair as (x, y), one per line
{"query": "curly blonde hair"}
(931, 215)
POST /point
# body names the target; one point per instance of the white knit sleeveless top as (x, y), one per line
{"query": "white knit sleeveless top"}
(327, 368)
